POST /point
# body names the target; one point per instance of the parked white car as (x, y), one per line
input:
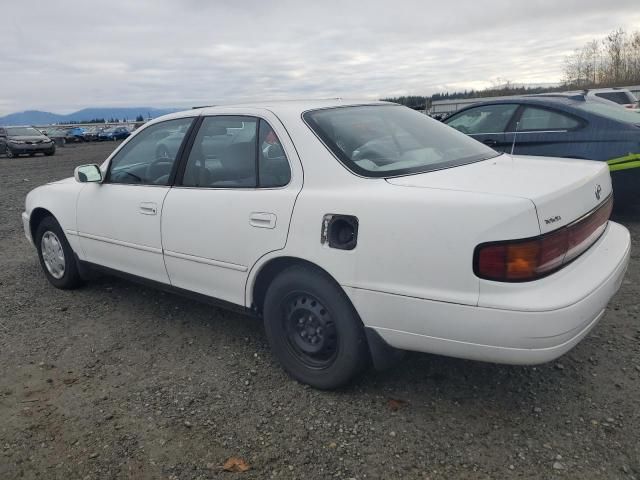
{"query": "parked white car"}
(354, 229)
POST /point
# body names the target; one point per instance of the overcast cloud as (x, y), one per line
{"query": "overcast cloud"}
(65, 55)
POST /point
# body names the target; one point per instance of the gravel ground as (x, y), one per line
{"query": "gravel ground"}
(120, 381)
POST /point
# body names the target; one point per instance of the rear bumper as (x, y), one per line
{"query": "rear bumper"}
(526, 330)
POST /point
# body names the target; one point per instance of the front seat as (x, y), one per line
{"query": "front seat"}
(238, 166)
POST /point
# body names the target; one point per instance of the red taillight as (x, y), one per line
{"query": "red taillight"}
(530, 259)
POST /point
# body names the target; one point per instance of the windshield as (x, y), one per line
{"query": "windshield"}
(389, 140)
(613, 112)
(23, 132)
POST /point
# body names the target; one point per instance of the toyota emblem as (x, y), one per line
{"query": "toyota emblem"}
(598, 191)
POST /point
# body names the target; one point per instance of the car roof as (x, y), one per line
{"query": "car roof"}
(607, 90)
(568, 99)
(292, 106)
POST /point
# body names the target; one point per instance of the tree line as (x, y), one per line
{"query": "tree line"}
(139, 118)
(610, 62)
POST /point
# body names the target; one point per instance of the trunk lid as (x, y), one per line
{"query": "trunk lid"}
(562, 190)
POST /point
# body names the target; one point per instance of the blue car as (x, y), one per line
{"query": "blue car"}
(114, 133)
(75, 134)
(560, 125)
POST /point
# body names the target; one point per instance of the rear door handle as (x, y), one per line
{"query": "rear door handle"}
(262, 220)
(491, 143)
(148, 208)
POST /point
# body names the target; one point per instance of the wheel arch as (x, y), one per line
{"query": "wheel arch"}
(37, 215)
(381, 354)
(269, 270)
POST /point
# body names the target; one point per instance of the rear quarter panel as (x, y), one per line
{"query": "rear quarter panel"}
(416, 242)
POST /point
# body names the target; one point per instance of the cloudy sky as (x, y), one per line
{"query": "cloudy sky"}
(65, 55)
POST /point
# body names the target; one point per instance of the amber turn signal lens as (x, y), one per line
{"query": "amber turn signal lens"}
(522, 260)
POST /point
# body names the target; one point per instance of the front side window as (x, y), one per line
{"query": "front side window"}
(389, 140)
(534, 118)
(485, 119)
(149, 157)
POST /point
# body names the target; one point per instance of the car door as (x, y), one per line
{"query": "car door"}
(485, 123)
(119, 219)
(232, 204)
(545, 131)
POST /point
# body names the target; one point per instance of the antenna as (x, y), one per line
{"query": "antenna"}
(515, 134)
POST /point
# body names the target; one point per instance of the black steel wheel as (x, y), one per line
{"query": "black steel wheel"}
(313, 329)
(311, 332)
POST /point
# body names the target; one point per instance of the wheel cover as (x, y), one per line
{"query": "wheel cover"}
(52, 254)
(311, 332)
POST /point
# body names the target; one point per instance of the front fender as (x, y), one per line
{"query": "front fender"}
(59, 200)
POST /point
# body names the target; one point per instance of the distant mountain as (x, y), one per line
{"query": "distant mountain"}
(31, 117)
(36, 117)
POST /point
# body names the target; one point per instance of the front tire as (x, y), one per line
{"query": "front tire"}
(10, 153)
(56, 256)
(313, 329)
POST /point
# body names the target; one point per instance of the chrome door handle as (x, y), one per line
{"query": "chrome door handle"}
(262, 220)
(148, 208)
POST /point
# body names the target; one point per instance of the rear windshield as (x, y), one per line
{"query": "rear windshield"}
(622, 98)
(390, 140)
(612, 112)
(22, 131)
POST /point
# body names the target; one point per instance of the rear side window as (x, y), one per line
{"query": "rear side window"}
(223, 155)
(236, 152)
(273, 165)
(485, 119)
(534, 118)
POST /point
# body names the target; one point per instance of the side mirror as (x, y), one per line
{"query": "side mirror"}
(88, 174)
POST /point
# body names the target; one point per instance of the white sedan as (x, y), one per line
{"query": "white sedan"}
(355, 230)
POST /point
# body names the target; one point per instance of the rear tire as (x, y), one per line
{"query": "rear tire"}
(10, 153)
(313, 329)
(56, 256)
